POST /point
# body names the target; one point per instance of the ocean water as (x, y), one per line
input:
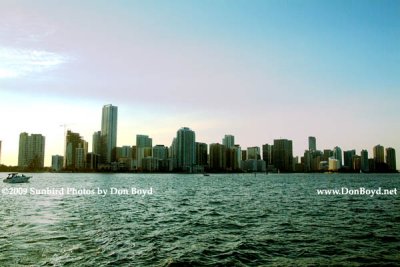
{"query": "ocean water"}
(194, 220)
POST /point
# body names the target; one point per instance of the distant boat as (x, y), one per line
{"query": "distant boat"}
(206, 174)
(14, 178)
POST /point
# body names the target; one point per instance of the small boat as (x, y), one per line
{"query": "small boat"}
(206, 174)
(14, 178)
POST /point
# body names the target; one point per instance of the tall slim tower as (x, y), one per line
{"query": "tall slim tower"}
(0, 152)
(364, 160)
(109, 133)
(185, 141)
(312, 143)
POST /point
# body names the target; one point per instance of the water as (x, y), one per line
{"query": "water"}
(193, 220)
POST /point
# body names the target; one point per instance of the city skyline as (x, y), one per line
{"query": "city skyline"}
(226, 155)
(260, 71)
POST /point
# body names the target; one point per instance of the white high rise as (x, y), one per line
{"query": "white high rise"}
(185, 148)
(109, 133)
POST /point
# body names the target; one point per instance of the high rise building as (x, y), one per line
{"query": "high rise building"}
(327, 154)
(312, 143)
(228, 141)
(253, 153)
(379, 153)
(364, 161)
(57, 162)
(217, 157)
(356, 163)
(337, 154)
(348, 158)
(160, 152)
(201, 154)
(31, 151)
(283, 155)
(186, 154)
(109, 133)
(0, 152)
(96, 143)
(75, 151)
(144, 146)
(267, 154)
(391, 158)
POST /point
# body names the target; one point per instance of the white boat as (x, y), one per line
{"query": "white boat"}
(16, 178)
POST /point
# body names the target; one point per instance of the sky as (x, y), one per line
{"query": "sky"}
(260, 70)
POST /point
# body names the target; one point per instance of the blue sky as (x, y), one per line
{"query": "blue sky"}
(260, 70)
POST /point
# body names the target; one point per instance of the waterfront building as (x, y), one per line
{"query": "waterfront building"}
(253, 153)
(379, 153)
(74, 159)
(185, 149)
(31, 151)
(57, 163)
(201, 154)
(283, 155)
(364, 161)
(333, 164)
(356, 163)
(109, 133)
(267, 154)
(244, 154)
(228, 141)
(92, 161)
(217, 157)
(337, 154)
(327, 154)
(150, 164)
(143, 149)
(160, 152)
(96, 142)
(348, 158)
(391, 158)
(312, 143)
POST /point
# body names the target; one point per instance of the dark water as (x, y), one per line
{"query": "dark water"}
(193, 220)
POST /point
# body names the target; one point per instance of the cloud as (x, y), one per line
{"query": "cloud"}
(16, 62)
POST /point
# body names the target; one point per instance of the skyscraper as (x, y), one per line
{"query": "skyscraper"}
(391, 158)
(364, 161)
(228, 141)
(267, 154)
(348, 158)
(186, 154)
(253, 153)
(144, 146)
(31, 151)
(75, 151)
(96, 143)
(379, 153)
(312, 143)
(201, 154)
(337, 154)
(109, 133)
(217, 157)
(283, 155)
